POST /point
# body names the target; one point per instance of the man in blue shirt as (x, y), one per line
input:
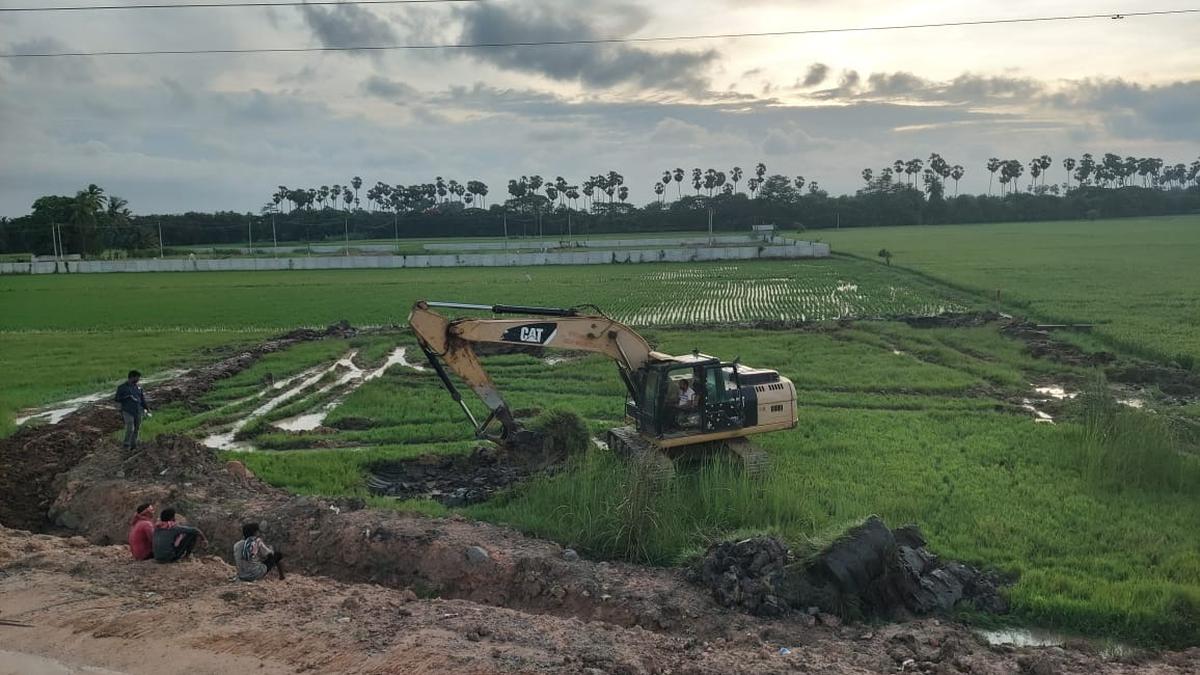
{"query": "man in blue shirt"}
(132, 400)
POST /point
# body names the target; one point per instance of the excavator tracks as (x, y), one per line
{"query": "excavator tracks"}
(629, 444)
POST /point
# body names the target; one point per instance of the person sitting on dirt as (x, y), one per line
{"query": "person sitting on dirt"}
(173, 541)
(133, 403)
(141, 533)
(253, 557)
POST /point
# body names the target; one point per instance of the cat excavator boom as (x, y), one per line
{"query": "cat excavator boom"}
(727, 403)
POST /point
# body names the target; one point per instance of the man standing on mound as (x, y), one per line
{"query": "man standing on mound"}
(173, 541)
(133, 403)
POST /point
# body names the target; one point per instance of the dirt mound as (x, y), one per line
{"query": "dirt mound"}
(33, 457)
(453, 480)
(871, 571)
(1040, 344)
(1179, 383)
(952, 319)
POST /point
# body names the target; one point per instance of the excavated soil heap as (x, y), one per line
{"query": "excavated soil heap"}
(871, 571)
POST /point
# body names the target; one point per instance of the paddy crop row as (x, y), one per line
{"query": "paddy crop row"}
(1136, 278)
(651, 294)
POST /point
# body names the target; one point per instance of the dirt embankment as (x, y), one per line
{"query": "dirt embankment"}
(84, 605)
(32, 457)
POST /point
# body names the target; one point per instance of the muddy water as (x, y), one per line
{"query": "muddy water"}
(55, 412)
(1056, 391)
(225, 440)
(311, 420)
(1023, 637)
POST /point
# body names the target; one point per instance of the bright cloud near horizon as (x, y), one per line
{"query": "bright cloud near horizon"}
(221, 132)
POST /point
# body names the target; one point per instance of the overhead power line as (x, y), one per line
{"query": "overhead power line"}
(614, 40)
(215, 5)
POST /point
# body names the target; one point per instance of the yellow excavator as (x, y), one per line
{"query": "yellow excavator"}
(677, 406)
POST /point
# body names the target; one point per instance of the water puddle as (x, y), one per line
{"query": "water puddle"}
(1023, 637)
(55, 412)
(1056, 392)
(225, 439)
(356, 378)
(1038, 415)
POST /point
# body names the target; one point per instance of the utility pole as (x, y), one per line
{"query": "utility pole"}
(54, 240)
(160, 243)
(710, 218)
(569, 225)
(396, 229)
(249, 236)
(274, 239)
(346, 224)
(505, 231)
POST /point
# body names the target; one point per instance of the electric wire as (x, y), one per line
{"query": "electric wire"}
(609, 40)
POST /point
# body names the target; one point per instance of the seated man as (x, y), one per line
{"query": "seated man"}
(687, 396)
(141, 533)
(254, 558)
(173, 541)
(684, 406)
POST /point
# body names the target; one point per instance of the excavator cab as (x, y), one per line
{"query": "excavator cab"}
(665, 409)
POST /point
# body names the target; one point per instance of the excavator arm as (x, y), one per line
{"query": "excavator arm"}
(451, 344)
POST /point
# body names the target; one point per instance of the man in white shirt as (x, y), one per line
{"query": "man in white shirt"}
(687, 396)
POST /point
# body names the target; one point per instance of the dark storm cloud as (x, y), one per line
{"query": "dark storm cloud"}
(348, 25)
(593, 65)
(816, 74)
(1131, 110)
(75, 70)
(393, 90)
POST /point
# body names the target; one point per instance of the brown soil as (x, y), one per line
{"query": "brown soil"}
(92, 606)
(32, 457)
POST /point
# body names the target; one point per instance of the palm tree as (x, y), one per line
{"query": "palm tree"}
(623, 193)
(1069, 165)
(992, 165)
(697, 180)
(678, 176)
(956, 172)
(867, 174)
(659, 189)
(735, 174)
(1035, 170)
(1044, 163)
(799, 183)
(357, 183)
(760, 170)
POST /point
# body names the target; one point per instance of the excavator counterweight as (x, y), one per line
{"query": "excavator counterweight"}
(676, 405)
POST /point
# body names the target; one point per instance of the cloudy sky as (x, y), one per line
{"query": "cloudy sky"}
(173, 133)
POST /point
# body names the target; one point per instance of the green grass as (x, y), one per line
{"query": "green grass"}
(643, 294)
(1134, 277)
(1096, 517)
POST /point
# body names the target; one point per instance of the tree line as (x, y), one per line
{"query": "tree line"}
(907, 191)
